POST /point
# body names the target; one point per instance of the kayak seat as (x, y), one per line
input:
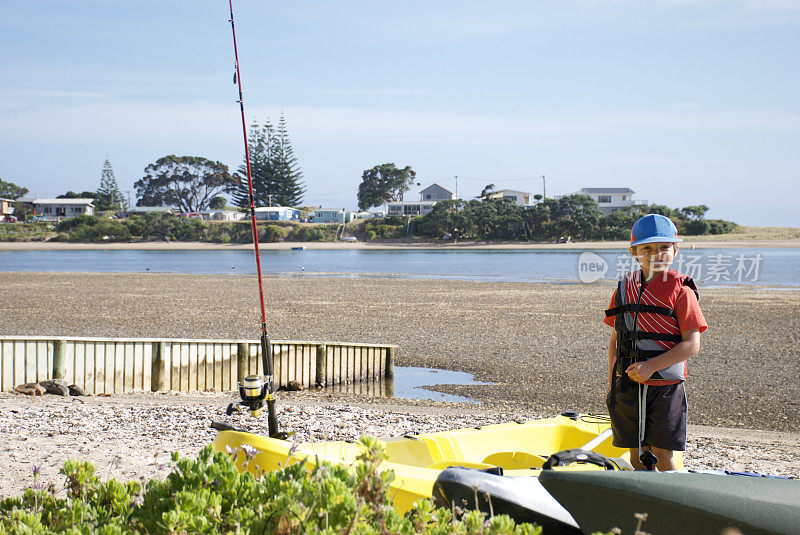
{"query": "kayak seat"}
(515, 460)
(447, 463)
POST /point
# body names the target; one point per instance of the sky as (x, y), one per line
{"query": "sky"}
(686, 102)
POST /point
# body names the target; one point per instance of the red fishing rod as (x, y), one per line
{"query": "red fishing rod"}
(254, 392)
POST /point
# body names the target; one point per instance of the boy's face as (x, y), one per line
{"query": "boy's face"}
(655, 257)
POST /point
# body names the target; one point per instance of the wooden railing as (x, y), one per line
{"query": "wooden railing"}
(114, 365)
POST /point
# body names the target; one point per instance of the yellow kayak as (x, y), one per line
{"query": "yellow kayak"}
(417, 460)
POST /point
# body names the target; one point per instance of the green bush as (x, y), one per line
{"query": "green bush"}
(304, 232)
(209, 495)
(82, 220)
(697, 227)
(720, 226)
(271, 233)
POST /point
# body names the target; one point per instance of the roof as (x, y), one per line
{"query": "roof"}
(273, 208)
(146, 209)
(412, 202)
(337, 210)
(607, 190)
(63, 201)
(495, 192)
(7, 200)
(438, 186)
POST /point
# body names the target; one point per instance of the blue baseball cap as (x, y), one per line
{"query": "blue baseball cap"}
(654, 228)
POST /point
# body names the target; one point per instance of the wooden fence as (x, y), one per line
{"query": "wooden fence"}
(107, 366)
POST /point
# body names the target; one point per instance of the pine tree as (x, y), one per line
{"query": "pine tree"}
(108, 196)
(289, 189)
(277, 179)
(260, 140)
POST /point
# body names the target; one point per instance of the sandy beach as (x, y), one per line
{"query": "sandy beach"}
(542, 346)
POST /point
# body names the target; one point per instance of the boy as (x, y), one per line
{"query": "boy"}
(657, 324)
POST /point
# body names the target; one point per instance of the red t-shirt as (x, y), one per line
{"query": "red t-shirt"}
(659, 292)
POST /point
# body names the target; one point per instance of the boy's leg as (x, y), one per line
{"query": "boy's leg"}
(635, 462)
(665, 459)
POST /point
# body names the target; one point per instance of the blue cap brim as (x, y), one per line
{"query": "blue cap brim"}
(657, 239)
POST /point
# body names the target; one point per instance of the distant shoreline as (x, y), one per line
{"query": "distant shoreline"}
(283, 246)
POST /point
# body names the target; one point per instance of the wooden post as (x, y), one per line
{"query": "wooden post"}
(322, 365)
(242, 360)
(59, 359)
(390, 354)
(158, 369)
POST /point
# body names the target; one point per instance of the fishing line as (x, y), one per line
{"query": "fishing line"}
(266, 346)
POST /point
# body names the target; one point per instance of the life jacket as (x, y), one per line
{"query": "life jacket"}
(646, 330)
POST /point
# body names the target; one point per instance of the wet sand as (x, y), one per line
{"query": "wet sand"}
(543, 346)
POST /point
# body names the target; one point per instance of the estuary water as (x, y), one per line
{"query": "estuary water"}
(711, 267)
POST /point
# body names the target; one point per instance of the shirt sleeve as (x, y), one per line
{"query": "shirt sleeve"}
(609, 320)
(688, 313)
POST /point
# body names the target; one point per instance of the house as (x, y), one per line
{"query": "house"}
(6, 207)
(332, 215)
(409, 208)
(141, 210)
(277, 213)
(57, 209)
(435, 192)
(610, 199)
(224, 215)
(520, 198)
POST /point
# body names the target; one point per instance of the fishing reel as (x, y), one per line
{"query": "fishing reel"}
(254, 392)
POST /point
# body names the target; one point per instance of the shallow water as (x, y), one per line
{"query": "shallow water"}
(409, 383)
(718, 267)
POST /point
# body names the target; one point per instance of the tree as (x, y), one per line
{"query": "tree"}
(277, 179)
(82, 195)
(188, 182)
(487, 191)
(218, 203)
(259, 141)
(9, 190)
(288, 179)
(108, 196)
(384, 183)
(695, 212)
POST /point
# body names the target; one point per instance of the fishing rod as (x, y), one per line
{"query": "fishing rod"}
(253, 390)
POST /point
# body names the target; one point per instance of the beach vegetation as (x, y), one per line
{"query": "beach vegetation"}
(188, 182)
(384, 183)
(210, 495)
(575, 216)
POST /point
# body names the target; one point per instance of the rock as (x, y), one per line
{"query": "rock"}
(294, 386)
(75, 390)
(30, 389)
(55, 386)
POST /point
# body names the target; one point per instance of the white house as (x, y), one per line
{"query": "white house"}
(409, 208)
(277, 213)
(610, 199)
(224, 215)
(435, 192)
(56, 209)
(520, 198)
(332, 215)
(6, 207)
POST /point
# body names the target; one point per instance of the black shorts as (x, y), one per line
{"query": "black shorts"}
(665, 411)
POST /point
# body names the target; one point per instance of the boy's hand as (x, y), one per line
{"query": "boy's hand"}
(640, 371)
